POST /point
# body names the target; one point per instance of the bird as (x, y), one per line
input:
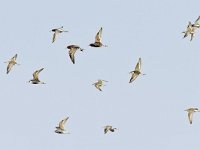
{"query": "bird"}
(61, 129)
(35, 79)
(197, 23)
(190, 30)
(99, 84)
(72, 51)
(56, 32)
(98, 42)
(137, 71)
(11, 63)
(190, 113)
(109, 128)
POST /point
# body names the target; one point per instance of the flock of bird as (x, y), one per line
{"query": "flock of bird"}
(191, 28)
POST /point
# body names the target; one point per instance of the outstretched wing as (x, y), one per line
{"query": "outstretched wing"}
(190, 114)
(98, 35)
(36, 73)
(71, 54)
(9, 67)
(62, 123)
(138, 65)
(105, 130)
(133, 77)
(55, 34)
(197, 22)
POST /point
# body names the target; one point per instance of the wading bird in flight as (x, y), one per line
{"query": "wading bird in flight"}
(99, 84)
(137, 71)
(190, 31)
(61, 127)
(190, 113)
(11, 63)
(109, 128)
(72, 51)
(35, 79)
(57, 31)
(98, 42)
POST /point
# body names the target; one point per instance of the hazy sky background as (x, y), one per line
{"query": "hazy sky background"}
(149, 113)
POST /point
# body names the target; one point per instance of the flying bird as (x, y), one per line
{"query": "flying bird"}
(109, 128)
(35, 79)
(197, 23)
(137, 71)
(99, 84)
(57, 31)
(11, 63)
(190, 113)
(61, 127)
(98, 42)
(72, 51)
(190, 31)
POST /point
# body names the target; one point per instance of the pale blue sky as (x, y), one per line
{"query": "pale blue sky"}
(149, 113)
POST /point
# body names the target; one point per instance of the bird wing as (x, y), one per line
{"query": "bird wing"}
(36, 73)
(133, 77)
(138, 65)
(105, 130)
(55, 34)
(192, 36)
(9, 67)
(190, 114)
(197, 22)
(98, 35)
(185, 34)
(71, 54)
(62, 123)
